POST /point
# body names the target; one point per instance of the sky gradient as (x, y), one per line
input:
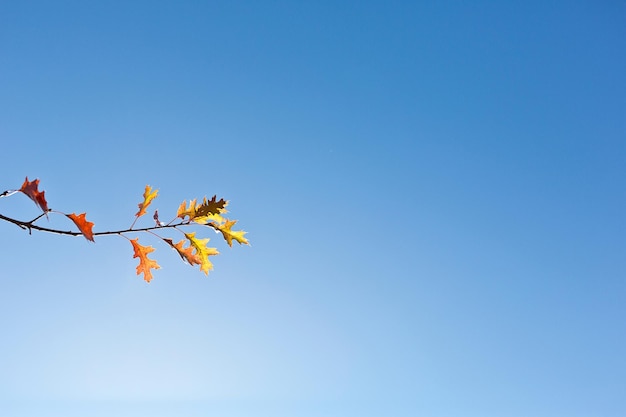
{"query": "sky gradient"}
(434, 193)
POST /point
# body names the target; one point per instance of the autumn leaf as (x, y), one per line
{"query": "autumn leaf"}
(83, 225)
(184, 211)
(145, 264)
(30, 189)
(199, 212)
(185, 253)
(148, 196)
(229, 234)
(211, 218)
(211, 206)
(202, 251)
(192, 250)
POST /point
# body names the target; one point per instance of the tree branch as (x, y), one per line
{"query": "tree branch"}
(30, 226)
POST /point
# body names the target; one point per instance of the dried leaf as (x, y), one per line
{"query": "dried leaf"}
(83, 225)
(158, 222)
(211, 206)
(145, 264)
(148, 196)
(194, 211)
(30, 189)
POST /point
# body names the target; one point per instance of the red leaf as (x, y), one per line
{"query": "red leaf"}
(30, 189)
(83, 225)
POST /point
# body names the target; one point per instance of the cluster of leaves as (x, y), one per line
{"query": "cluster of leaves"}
(193, 250)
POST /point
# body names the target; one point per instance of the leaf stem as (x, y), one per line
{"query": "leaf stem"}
(45, 213)
(8, 193)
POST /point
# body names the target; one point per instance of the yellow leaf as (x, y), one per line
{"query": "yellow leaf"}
(202, 251)
(184, 211)
(229, 234)
(145, 264)
(148, 196)
(210, 218)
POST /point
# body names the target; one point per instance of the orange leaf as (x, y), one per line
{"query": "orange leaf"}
(148, 196)
(83, 225)
(30, 189)
(185, 253)
(184, 211)
(145, 264)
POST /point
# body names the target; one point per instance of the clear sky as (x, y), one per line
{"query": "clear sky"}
(434, 193)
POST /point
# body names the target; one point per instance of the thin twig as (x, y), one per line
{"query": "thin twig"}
(29, 225)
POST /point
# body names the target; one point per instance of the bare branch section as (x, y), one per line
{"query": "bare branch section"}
(191, 249)
(31, 226)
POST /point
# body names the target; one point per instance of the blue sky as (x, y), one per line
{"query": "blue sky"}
(434, 192)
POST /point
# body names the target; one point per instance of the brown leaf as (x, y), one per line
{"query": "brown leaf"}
(212, 207)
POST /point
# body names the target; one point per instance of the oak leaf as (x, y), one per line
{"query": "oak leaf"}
(210, 219)
(148, 196)
(229, 234)
(30, 189)
(185, 253)
(212, 206)
(200, 212)
(145, 264)
(184, 211)
(85, 227)
(202, 251)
